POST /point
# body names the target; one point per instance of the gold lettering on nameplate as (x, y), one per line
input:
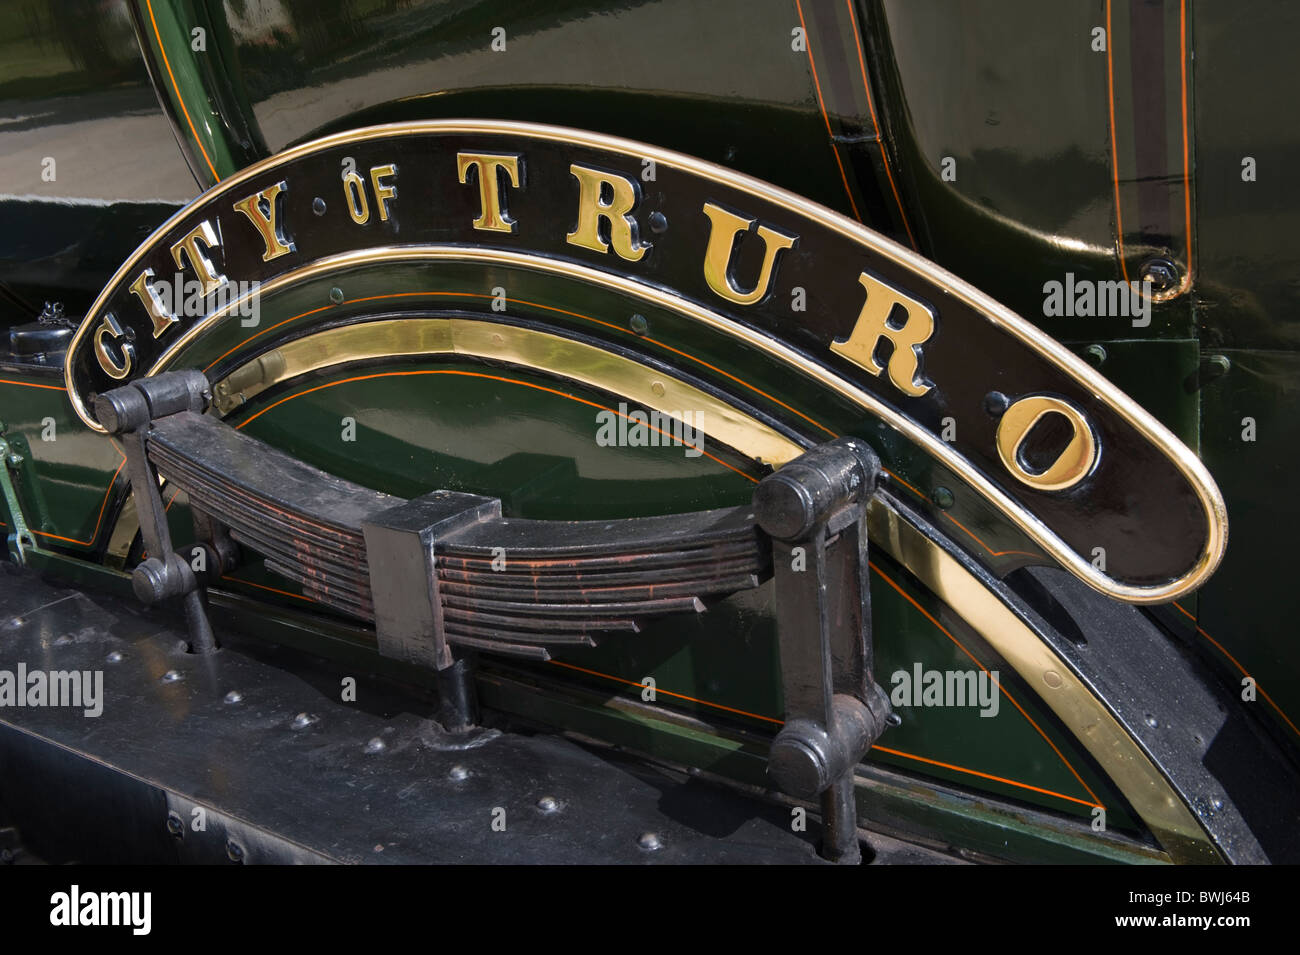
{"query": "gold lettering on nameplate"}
(493, 216)
(354, 197)
(117, 370)
(263, 211)
(725, 226)
(904, 363)
(383, 190)
(159, 314)
(203, 235)
(624, 194)
(1071, 465)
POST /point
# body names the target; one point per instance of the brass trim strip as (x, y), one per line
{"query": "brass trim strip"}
(525, 347)
(1028, 523)
(1187, 462)
(1086, 716)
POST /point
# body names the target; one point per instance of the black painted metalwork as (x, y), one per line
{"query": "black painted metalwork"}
(815, 509)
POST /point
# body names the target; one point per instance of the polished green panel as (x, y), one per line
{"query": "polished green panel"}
(1247, 611)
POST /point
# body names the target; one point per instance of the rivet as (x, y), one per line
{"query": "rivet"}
(376, 745)
(548, 804)
(62, 641)
(658, 223)
(303, 720)
(942, 497)
(1096, 354)
(893, 719)
(458, 773)
(114, 656)
(649, 841)
(234, 696)
(234, 851)
(639, 325)
(336, 296)
(174, 825)
(1216, 804)
(995, 403)
(1151, 721)
(1052, 678)
(172, 676)
(318, 206)
(657, 387)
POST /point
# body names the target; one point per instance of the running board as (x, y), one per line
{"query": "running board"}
(448, 570)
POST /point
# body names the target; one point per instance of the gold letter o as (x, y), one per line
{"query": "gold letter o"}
(1070, 467)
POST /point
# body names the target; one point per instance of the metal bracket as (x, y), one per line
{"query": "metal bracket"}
(20, 538)
(128, 413)
(400, 546)
(815, 510)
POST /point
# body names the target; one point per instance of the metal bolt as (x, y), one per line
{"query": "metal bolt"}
(375, 745)
(174, 825)
(649, 841)
(14, 459)
(458, 773)
(548, 804)
(318, 206)
(303, 720)
(336, 296)
(234, 696)
(1096, 355)
(893, 719)
(172, 676)
(1163, 276)
(942, 497)
(658, 223)
(234, 852)
(639, 324)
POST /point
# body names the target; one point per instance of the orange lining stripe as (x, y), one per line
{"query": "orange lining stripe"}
(108, 490)
(1224, 651)
(100, 519)
(995, 553)
(1114, 147)
(549, 308)
(30, 384)
(1114, 150)
(476, 374)
(768, 719)
(180, 99)
(974, 772)
(249, 583)
(944, 630)
(857, 37)
(1187, 188)
(680, 696)
(807, 42)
